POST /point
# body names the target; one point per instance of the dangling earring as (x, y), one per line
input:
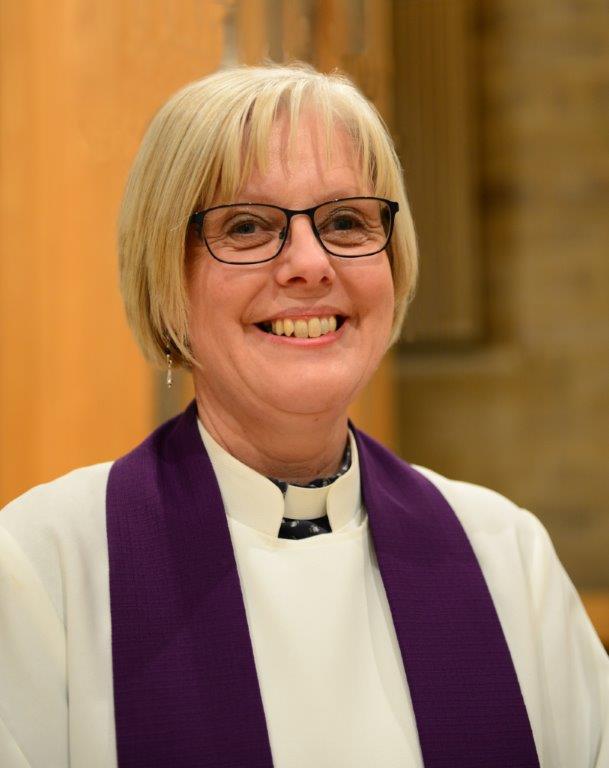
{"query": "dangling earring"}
(169, 360)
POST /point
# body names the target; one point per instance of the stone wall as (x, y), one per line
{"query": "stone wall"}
(526, 409)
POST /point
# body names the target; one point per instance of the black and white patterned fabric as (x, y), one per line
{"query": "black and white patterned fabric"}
(302, 529)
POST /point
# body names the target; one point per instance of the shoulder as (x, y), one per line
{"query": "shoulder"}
(482, 510)
(545, 624)
(510, 543)
(56, 528)
(59, 503)
(484, 514)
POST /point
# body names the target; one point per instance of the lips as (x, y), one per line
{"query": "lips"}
(303, 328)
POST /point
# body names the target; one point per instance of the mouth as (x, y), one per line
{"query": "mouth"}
(303, 328)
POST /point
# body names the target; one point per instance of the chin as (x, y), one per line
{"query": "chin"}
(310, 394)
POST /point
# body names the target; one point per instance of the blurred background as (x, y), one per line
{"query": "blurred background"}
(500, 111)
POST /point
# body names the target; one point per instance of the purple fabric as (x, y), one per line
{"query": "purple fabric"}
(185, 686)
(186, 692)
(466, 696)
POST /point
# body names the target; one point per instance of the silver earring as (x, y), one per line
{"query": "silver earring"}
(169, 360)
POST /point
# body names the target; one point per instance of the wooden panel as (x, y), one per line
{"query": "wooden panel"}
(435, 123)
(77, 88)
(297, 30)
(252, 37)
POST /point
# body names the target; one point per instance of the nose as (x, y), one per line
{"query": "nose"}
(303, 261)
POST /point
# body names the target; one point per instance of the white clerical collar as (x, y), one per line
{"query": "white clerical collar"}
(254, 500)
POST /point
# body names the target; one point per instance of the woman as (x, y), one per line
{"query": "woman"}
(258, 583)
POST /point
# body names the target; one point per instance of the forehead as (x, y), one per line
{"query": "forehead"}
(305, 163)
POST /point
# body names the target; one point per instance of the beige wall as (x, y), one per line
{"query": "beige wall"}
(527, 410)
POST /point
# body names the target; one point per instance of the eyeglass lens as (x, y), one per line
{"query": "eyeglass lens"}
(250, 233)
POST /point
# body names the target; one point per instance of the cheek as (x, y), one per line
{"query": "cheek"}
(207, 299)
(219, 300)
(198, 305)
(379, 297)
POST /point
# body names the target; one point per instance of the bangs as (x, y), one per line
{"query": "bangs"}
(244, 137)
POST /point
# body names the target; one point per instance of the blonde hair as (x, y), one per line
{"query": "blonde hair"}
(203, 144)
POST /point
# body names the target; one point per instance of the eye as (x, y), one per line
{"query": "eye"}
(340, 221)
(343, 221)
(246, 227)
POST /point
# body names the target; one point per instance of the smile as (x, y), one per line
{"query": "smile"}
(303, 328)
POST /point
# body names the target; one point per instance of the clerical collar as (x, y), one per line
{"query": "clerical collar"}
(254, 500)
(319, 482)
(308, 501)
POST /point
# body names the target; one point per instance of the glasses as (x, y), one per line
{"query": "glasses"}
(250, 233)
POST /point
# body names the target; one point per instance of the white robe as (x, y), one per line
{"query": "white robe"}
(331, 676)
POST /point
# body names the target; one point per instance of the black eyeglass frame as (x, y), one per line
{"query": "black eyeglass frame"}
(198, 216)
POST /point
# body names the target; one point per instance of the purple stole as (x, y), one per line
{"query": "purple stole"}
(186, 692)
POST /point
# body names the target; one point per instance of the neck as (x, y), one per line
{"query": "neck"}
(296, 448)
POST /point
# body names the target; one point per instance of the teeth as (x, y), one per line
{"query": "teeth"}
(314, 328)
(301, 329)
(311, 328)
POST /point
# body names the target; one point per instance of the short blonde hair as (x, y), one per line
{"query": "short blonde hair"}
(204, 143)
